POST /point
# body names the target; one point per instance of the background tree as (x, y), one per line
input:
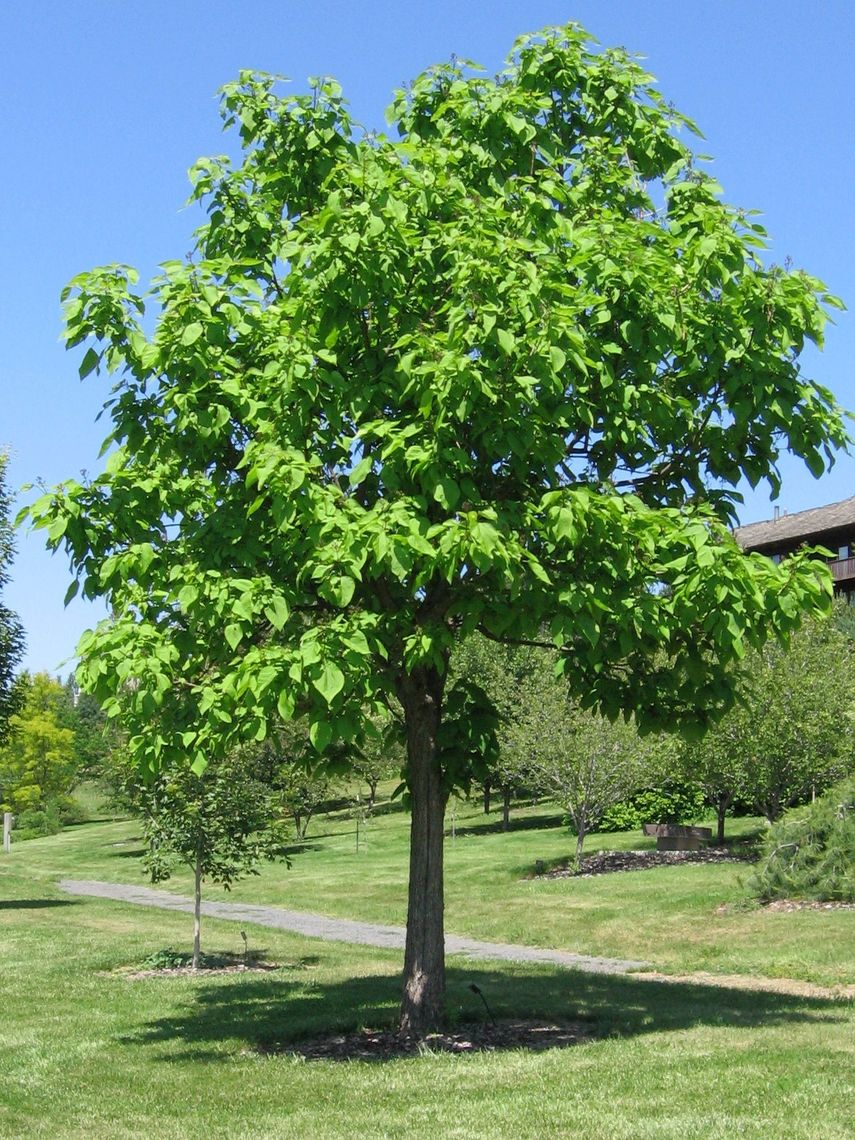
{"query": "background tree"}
(792, 735)
(510, 675)
(380, 755)
(221, 824)
(579, 758)
(11, 631)
(95, 737)
(302, 792)
(482, 375)
(38, 765)
(550, 746)
(720, 763)
(301, 781)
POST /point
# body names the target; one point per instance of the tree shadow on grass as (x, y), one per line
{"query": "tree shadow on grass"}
(278, 1012)
(100, 817)
(300, 847)
(494, 826)
(34, 904)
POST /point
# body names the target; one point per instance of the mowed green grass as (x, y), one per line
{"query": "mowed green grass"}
(680, 919)
(88, 1052)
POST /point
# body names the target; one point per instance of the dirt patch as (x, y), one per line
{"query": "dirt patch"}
(609, 862)
(792, 986)
(391, 1044)
(780, 906)
(133, 973)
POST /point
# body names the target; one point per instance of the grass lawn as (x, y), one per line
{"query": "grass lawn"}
(681, 919)
(89, 1052)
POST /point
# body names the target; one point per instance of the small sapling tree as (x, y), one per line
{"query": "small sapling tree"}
(221, 824)
(502, 371)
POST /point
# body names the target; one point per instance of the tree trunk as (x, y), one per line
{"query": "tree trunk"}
(771, 806)
(506, 807)
(423, 1004)
(487, 790)
(580, 843)
(722, 804)
(197, 915)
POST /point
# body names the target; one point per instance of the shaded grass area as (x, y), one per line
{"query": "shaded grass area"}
(88, 1052)
(681, 919)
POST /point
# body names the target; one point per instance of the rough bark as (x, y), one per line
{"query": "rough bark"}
(423, 1003)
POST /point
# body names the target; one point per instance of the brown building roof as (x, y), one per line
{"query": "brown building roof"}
(804, 526)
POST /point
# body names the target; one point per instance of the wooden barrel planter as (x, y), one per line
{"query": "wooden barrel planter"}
(676, 837)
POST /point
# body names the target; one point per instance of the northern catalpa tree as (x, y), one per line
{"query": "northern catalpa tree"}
(501, 371)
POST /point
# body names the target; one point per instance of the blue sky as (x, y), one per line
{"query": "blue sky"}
(107, 104)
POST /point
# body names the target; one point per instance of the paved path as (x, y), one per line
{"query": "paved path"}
(343, 929)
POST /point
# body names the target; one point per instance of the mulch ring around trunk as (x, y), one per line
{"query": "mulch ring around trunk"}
(607, 862)
(132, 975)
(391, 1044)
(789, 905)
(170, 963)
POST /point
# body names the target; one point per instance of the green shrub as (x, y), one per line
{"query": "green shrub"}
(34, 822)
(172, 959)
(810, 852)
(72, 810)
(674, 802)
(167, 959)
(48, 818)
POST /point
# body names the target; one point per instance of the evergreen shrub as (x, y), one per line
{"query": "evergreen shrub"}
(810, 852)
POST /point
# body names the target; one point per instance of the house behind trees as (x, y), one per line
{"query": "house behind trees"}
(832, 527)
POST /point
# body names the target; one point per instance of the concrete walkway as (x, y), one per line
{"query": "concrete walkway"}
(343, 929)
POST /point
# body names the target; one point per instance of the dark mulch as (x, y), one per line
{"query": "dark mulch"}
(607, 862)
(788, 905)
(391, 1044)
(188, 971)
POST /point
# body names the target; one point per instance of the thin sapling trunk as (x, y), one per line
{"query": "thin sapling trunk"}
(197, 914)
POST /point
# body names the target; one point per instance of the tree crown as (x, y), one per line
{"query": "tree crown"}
(502, 372)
